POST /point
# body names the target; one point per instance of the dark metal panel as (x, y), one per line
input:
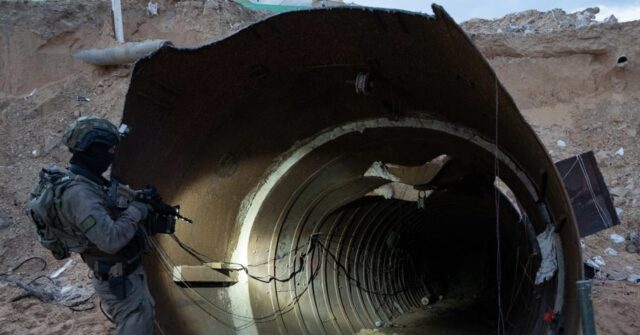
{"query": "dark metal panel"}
(590, 198)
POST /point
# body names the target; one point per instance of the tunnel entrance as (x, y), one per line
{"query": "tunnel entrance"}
(264, 140)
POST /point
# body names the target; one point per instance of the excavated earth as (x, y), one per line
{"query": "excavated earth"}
(579, 86)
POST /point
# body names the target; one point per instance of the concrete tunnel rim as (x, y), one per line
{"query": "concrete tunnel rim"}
(253, 201)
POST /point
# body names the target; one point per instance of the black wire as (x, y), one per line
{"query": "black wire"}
(266, 318)
(105, 313)
(269, 279)
(356, 281)
(205, 259)
(263, 279)
(294, 251)
(44, 263)
(74, 306)
(197, 255)
(312, 242)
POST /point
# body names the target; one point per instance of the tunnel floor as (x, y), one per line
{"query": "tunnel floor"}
(450, 317)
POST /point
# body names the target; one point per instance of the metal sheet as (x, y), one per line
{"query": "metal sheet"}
(590, 198)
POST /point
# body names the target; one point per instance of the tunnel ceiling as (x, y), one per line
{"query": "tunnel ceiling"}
(210, 125)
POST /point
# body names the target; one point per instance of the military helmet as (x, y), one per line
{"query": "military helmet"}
(85, 130)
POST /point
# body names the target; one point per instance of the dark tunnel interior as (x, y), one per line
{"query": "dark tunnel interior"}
(385, 257)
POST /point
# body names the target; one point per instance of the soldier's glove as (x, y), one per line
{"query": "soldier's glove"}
(150, 196)
(162, 219)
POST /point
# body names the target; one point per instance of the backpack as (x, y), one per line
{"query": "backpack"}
(54, 232)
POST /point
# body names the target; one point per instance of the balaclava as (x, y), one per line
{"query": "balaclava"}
(96, 158)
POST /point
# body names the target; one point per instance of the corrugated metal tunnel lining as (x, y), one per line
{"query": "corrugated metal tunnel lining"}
(264, 138)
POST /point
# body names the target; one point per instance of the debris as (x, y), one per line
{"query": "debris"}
(596, 262)
(34, 153)
(609, 251)
(81, 98)
(31, 94)
(424, 301)
(410, 175)
(619, 191)
(634, 278)
(379, 169)
(50, 142)
(379, 323)
(152, 9)
(561, 143)
(549, 264)
(385, 191)
(58, 272)
(620, 152)
(616, 238)
(619, 211)
(47, 292)
(587, 17)
(33, 289)
(612, 19)
(633, 245)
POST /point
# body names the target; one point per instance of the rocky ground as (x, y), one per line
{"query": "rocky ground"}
(575, 81)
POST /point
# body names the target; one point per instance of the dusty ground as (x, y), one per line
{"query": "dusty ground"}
(565, 80)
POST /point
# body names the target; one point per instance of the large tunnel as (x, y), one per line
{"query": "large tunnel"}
(268, 139)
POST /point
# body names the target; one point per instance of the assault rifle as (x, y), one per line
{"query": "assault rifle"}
(162, 218)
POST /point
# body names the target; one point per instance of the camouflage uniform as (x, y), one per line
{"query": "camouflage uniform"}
(109, 240)
(85, 204)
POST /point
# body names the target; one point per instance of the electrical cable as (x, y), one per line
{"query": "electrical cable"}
(312, 249)
(44, 263)
(357, 282)
(105, 313)
(165, 261)
(74, 306)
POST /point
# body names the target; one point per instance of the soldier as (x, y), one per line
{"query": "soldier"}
(110, 241)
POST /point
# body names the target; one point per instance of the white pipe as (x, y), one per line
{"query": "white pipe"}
(116, 7)
(122, 54)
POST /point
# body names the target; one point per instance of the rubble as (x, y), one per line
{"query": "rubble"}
(611, 19)
(534, 22)
(633, 243)
(616, 238)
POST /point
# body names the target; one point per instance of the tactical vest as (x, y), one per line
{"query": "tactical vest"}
(59, 235)
(54, 232)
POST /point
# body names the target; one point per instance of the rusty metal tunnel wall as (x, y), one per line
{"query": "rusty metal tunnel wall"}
(264, 138)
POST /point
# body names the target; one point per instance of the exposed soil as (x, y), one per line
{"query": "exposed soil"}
(564, 75)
